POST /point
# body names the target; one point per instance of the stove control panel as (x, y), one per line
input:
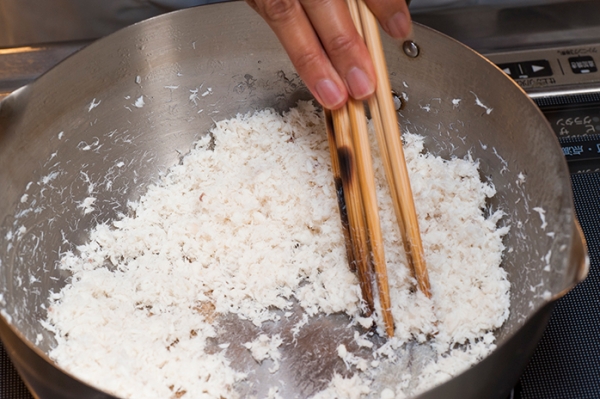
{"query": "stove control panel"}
(527, 69)
(565, 83)
(539, 70)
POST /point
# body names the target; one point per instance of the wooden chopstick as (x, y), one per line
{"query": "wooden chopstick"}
(369, 199)
(345, 154)
(360, 136)
(352, 165)
(339, 188)
(376, 118)
(390, 144)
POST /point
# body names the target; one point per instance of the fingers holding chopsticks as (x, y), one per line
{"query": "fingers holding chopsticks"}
(324, 46)
(342, 43)
(291, 24)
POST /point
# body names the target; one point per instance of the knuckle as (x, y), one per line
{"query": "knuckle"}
(307, 60)
(277, 10)
(340, 45)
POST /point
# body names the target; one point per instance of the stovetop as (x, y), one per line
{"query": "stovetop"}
(564, 80)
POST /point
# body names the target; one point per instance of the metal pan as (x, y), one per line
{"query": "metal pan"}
(45, 127)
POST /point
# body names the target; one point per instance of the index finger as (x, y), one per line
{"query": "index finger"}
(294, 30)
(345, 47)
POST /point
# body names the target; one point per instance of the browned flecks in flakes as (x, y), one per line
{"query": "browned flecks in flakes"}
(206, 309)
(172, 344)
(178, 394)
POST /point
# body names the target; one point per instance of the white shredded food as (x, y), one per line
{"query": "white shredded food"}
(249, 223)
(266, 347)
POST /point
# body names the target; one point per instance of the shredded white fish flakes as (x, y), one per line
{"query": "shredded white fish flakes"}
(248, 223)
(266, 347)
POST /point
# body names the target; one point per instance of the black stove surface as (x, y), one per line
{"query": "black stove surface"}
(11, 385)
(566, 363)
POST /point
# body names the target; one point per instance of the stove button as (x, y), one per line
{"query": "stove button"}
(535, 69)
(583, 64)
(527, 69)
(511, 70)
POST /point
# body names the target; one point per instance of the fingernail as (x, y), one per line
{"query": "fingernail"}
(398, 25)
(359, 84)
(329, 92)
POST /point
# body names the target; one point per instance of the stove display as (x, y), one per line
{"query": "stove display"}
(578, 130)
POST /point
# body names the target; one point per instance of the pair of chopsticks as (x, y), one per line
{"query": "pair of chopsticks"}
(352, 167)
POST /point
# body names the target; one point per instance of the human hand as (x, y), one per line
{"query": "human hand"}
(325, 47)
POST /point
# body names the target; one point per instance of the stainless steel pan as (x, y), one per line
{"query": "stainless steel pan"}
(80, 117)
